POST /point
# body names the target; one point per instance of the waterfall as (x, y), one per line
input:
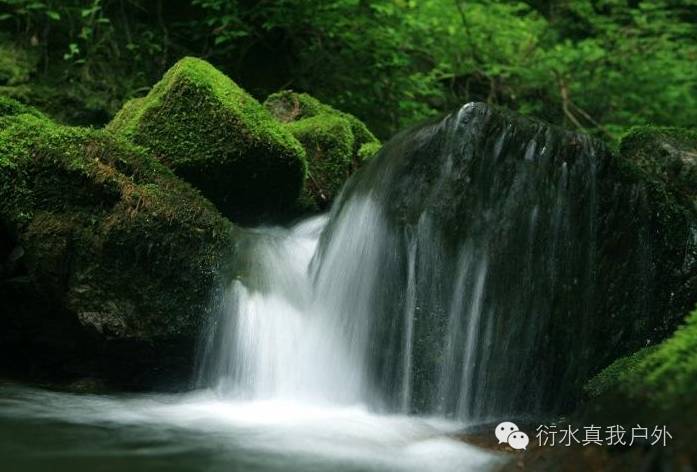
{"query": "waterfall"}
(453, 276)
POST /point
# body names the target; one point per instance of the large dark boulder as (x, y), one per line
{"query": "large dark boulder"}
(107, 259)
(647, 244)
(657, 384)
(518, 259)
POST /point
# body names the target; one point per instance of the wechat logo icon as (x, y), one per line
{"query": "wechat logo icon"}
(508, 433)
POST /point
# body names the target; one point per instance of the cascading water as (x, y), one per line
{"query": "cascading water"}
(279, 342)
(435, 284)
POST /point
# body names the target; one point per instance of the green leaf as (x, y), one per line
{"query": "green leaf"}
(220, 40)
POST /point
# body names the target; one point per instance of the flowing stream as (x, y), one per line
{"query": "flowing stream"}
(366, 339)
(288, 392)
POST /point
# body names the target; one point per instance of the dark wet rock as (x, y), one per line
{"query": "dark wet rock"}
(540, 257)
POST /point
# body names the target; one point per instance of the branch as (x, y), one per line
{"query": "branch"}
(564, 92)
(468, 32)
(590, 118)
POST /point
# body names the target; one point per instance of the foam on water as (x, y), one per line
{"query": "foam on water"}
(264, 435)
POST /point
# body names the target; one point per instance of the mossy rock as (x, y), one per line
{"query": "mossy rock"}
(289, 106)
(107, 259)
(199, 123)
(328, 142)
(336, 143)
(368, 150)
(662, 376)
(666, 156)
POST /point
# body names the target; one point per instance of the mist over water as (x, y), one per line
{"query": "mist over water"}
(42, 430)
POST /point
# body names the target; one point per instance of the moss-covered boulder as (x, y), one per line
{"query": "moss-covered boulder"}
(107, 258)
(199, 123)
(665, 156)
(336, 143)
(328, 143)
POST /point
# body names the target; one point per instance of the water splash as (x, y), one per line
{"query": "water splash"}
(435, 282)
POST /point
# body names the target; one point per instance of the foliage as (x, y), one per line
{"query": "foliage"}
(16, 64)
(599, 65)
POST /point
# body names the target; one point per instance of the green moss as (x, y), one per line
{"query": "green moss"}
(368, 150)
(209, 131)
(126, 121)
(664, 376)
(111, 234)
(328, 142)
(11, 107)
(667, 155)
(336, 143)
(289, 106)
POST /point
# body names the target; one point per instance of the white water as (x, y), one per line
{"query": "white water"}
(285, 336)
(201, 431)
(293, 347)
